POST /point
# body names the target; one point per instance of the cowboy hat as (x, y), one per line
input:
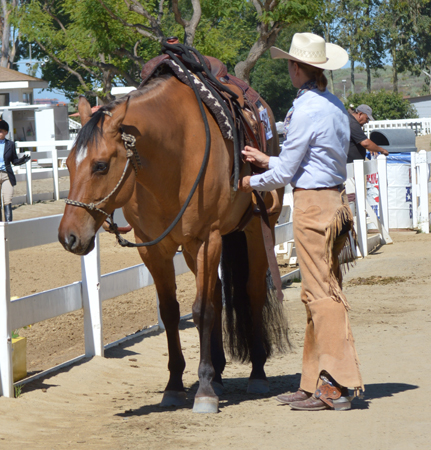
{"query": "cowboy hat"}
(311, 49)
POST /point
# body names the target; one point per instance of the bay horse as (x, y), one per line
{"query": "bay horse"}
(164, 118)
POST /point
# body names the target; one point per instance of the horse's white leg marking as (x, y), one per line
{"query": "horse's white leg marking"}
(81, 154)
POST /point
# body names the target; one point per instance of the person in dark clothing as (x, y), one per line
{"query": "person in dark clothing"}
(8, 156)
(359, 142)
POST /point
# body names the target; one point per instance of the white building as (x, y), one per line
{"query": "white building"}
(17, 88)
(28, 122)
(422, 104)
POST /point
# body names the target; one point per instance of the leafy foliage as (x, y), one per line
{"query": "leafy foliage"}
(385, 105)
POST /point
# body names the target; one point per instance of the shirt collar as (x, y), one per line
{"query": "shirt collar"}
(2, 141)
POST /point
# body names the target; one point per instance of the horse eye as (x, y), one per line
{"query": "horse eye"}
(100, 166)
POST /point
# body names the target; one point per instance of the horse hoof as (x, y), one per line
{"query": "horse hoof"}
(218, 388)
(256, 386)
(207, 405)
(173, 398)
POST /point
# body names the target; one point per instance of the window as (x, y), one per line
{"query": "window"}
(27, 97)
(4, 99)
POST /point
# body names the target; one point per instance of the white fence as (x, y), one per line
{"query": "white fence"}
(419, 126)
(52, 157)
(421, 188)
(87, 294)
(94, 288)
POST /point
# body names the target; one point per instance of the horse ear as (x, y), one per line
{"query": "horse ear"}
(84, 109)
(118, 116)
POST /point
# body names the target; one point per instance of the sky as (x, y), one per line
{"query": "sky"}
(41, 93)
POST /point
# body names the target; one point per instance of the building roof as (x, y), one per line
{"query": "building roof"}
(12, 75)
(423, 98)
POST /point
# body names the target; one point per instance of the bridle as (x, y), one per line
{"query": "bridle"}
(132, 158)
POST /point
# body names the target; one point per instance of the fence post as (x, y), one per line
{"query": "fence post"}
(91, 301)
(383, 190)
(6, 369)
(361, 215)
(55, 173)
(424, 221)
(28, 180)
(415, 194)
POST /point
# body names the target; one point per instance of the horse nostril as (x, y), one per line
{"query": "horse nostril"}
(69, 242)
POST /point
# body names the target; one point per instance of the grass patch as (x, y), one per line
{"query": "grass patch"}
(373, 280)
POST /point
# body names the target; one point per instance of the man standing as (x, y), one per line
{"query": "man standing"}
(359, 142)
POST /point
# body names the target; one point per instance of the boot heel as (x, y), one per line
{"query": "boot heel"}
(342, 404)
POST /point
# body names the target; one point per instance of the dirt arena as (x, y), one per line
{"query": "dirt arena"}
(112, 402)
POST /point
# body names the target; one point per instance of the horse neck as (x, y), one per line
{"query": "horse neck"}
(162, 118)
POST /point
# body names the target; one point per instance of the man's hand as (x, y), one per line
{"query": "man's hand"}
(256, 157)
(244, 184)
(384, 152)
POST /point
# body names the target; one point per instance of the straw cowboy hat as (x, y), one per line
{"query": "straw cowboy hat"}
(311, 49)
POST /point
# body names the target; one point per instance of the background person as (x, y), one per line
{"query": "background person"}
(8, 156)
(359, 142)
(313, 159)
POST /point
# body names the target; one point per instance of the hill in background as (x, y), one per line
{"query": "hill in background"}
(408, 85)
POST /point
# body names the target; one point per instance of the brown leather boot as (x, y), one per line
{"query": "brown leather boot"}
(297, 396)
(327, 396)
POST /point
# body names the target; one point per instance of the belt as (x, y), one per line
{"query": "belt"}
(338, 188)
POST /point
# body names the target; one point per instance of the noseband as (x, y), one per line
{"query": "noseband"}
(131, 152)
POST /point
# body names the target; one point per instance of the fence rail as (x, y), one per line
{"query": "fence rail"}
(419, 126)
(86, 294)
(94, 288)
(51, 157)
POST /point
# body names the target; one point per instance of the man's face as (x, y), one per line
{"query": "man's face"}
(363, 118)
(3, 134)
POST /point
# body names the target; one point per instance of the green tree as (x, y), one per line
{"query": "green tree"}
(401, 21)
(85, 42)
(385, 105)
(361, 35)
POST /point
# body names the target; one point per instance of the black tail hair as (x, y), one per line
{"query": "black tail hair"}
(238, 325)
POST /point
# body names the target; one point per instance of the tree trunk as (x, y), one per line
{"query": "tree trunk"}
(367, 64)
(331, 81)
(264, 43)
(352, 76)
(394, 71)
(5, 35)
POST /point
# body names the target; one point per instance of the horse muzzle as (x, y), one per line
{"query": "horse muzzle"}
(74, 244)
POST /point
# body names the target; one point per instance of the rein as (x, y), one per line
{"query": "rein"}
(129, 143)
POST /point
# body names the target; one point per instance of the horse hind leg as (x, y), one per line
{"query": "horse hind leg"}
(245, 266)
(244, 295)
(269, 325)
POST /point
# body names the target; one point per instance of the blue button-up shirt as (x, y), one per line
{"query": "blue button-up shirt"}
(314, 154)
(2, 164)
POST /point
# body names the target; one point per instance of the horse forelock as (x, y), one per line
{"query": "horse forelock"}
(90, 133)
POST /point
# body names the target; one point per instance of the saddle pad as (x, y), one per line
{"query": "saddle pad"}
(206, 96)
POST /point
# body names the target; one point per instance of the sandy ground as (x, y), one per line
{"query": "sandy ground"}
(112, 402)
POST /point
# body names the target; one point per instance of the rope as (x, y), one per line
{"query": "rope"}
(94, 206)
(189, 55)
(123, 242)
(130, 141)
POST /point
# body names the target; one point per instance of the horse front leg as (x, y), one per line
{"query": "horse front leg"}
(207, 257)
(163, 271)
(218, 357)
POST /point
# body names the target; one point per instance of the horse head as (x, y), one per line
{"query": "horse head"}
(101, 178)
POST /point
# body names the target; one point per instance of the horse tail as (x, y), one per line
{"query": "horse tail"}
(238, 323)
